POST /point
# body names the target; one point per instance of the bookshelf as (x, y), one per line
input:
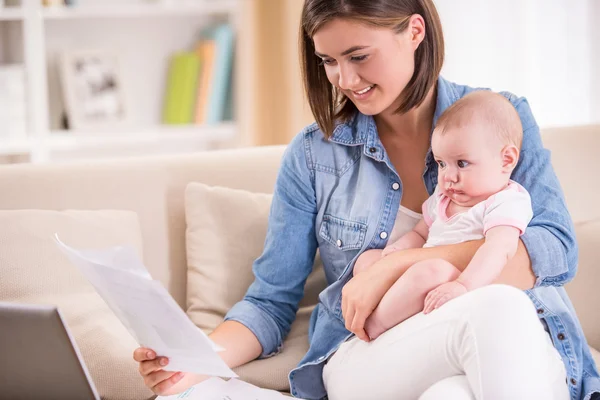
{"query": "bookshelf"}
(144, 34)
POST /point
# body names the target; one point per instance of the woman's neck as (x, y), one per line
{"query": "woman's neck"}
(411, 124)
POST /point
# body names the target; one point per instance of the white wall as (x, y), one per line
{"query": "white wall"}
(547, 51)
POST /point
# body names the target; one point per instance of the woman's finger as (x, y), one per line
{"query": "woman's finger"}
(344, 304)
(150, 366)
(358, 325)
(349, 317)
(143, 354)
(160, 381)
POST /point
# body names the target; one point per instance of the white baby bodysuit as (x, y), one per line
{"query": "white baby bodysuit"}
(509, 207)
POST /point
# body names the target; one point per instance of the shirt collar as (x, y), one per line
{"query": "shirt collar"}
(361, 128)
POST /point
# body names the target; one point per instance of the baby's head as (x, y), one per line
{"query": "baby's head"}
(476, 143)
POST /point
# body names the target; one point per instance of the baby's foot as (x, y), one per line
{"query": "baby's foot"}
(374, 327)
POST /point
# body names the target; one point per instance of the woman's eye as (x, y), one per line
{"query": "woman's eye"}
(359, 58)
(462, 163)
(326, 61)
(441, 164)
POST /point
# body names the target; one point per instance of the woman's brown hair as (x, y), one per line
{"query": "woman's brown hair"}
(326, 103)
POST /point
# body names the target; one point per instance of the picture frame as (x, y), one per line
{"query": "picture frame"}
(93, 92)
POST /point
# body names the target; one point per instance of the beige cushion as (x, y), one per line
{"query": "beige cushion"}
(583, 290)
(226, 231)
(35, 271)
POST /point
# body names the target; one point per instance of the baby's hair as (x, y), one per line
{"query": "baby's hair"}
(491, 109)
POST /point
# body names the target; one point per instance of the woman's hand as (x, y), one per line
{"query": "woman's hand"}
(362, 294)
(151, 368)
(443, 294)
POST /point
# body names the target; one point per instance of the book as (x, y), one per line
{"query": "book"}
(221, 84)
(182, 82)
(206, 50)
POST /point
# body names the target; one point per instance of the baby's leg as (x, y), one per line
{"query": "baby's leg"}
(365, 260)
(406, 297)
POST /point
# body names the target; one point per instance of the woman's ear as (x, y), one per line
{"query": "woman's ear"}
(416, 25)
(510, 158)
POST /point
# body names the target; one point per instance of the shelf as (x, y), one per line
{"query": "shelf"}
(69, 140)
(172, 9)
(11, 14)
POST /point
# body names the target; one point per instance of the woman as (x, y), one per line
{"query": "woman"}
(371, 71)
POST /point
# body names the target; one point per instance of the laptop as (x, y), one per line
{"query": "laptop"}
(39, 358)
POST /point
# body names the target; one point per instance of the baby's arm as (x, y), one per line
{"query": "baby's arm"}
(411, 240)
(500, 246)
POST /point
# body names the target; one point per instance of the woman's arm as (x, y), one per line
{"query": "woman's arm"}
(517, 272)
(550, 236)
(240, 344)
(257, 325)
(364, 291)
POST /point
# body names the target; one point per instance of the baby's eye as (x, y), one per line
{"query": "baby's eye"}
(441, 164)
(462, 163)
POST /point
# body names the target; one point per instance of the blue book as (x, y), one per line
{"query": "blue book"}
(223, 36)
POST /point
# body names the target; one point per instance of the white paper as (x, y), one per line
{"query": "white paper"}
(147, 309)
(219, 389)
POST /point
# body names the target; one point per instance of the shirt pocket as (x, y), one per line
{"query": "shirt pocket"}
(343, 234)
(340, 240)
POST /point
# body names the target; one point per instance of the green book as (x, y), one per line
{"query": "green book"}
(182, 83)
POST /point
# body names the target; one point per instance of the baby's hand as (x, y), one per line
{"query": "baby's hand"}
(442, 294)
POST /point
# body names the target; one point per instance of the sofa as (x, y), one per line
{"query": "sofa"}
(198, 221)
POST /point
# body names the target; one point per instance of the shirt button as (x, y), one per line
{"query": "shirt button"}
(383, 235)
(395, 186)
(560, 336)
(339, 243)
(540, 311)
(372, 150)
(573, 381)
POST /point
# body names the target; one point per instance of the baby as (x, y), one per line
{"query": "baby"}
(476, 145)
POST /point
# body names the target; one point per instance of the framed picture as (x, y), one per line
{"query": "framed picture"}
(93, 90)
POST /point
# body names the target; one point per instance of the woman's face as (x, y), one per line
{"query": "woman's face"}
(370, 65)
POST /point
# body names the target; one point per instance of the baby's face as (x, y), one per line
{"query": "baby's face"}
(469, 164)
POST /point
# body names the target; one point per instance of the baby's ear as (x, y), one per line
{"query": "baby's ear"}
(510, 157)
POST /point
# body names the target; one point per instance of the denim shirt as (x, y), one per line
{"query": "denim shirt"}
(341, 196)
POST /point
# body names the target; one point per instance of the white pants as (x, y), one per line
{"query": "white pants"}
(487, 344)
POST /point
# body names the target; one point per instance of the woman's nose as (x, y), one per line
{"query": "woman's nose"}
(348, 78)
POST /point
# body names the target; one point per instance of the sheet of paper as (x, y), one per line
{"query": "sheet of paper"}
(147, 309)
(219, 389)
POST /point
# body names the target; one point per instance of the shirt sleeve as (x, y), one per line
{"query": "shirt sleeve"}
(510, 207)
(270, 304)
(429, 208)
(550, 237)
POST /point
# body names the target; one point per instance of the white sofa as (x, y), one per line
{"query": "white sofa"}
(154, 188)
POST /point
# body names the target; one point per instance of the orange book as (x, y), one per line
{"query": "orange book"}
(206, 51)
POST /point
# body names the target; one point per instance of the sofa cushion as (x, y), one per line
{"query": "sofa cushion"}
(583, 290)
(35, 271)
(226, 231)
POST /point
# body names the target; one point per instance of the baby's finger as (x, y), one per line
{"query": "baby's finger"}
(430, 301)
(441, 301)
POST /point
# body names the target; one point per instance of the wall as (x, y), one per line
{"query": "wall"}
(544, 50)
